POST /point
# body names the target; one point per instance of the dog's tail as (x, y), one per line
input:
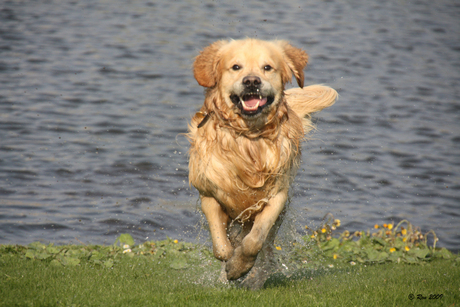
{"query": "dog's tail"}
(310, 99)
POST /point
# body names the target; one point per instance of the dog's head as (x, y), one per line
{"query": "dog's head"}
(250, 74)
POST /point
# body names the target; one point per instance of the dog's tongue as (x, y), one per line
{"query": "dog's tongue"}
(253, 103)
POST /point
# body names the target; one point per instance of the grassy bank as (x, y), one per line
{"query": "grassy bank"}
(323, 271)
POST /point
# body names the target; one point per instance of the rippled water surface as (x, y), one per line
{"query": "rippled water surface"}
(95, 97)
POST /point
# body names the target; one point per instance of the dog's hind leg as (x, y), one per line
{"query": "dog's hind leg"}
(265, 264)
(235, 233)
(244, 256)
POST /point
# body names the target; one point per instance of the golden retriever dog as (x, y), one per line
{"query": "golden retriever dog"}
(245, 146)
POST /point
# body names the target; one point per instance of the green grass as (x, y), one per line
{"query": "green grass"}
(141, 281)
(360, 269)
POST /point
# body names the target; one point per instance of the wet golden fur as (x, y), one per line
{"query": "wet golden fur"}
(243, 164)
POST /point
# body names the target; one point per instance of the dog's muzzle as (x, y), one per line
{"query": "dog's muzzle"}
(252, 100)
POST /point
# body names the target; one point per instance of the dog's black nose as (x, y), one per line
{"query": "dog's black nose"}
(251, 81)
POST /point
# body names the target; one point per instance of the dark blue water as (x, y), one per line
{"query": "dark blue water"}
(95, 97)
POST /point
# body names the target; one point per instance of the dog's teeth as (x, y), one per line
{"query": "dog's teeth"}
(246, 107)
(242, 102)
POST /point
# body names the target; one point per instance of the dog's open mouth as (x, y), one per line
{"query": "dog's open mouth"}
(251, 103)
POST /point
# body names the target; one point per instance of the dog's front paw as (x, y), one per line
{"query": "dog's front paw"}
(239, 264)
(223, 273)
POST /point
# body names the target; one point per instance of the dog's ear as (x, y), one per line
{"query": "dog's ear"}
(296, 59)
(205, 65)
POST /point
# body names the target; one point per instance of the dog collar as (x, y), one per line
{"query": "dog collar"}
(205, 119)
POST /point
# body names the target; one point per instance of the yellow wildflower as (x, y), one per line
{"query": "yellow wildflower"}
(176, 241)
(335, 256)
(392, 250)
(278, 248)
(404, 239)
(376, 226)
(385, 225)
(337, 222)
(407, 248)
(390, 226)
(323, 230)
(312, 236)
(403, 231)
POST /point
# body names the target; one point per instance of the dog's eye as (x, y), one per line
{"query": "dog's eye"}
(268, 68)
(236, 67)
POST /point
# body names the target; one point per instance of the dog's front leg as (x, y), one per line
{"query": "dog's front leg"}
(217, 220)
(245, 255)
